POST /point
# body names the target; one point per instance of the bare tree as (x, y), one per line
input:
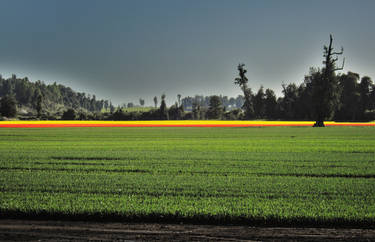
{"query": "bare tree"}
(325, 89)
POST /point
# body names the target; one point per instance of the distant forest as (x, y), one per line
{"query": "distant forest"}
(37, 100)
(53, 99)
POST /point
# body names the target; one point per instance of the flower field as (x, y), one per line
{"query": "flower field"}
(164, 123)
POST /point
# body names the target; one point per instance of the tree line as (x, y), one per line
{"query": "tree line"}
(323, 95)
(49, 101)
(356, 102)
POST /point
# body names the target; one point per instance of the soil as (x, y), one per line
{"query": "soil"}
(52, 230)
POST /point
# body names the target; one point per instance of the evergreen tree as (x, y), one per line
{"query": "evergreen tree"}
(242, 82)
(259, 103)
(270, 104)
(39, 105)
(173, 112)
(215, 109)
(156, 101)
(196, 108)
(289, 101)
(8, 106)
(350, 97)
(69, 114)
(364, 96)
(163, 109)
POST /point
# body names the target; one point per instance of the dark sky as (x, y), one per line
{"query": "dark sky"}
(123, 50)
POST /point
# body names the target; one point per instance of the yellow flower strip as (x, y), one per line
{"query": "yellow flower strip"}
(170, 123)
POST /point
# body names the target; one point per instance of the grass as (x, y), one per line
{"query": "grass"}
(268, 175)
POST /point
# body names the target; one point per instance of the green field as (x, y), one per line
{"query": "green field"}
(269, 175)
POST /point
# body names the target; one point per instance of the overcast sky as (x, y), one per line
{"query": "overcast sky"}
(125, 50)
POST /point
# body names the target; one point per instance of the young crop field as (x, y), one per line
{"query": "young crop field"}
(248, 175)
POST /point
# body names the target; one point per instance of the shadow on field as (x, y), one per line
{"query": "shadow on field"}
(269, 221)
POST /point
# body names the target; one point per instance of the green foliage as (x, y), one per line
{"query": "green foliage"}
(196, 111)
(82, 115)
(156, 101)
(242, 81)
(173, 112)
(270, 104)
(203, 102)
(69, 114)
(8, 106)
(38, 106)
(289, 102)
(53, 96)
(215, 110)
(137, 109)
(134, 113)
(259, 103)
(234, 114)
(280, 174)
(365, 99)
(349, 98)
(163, 110)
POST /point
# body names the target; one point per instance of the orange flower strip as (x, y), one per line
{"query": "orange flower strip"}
(169, 123)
